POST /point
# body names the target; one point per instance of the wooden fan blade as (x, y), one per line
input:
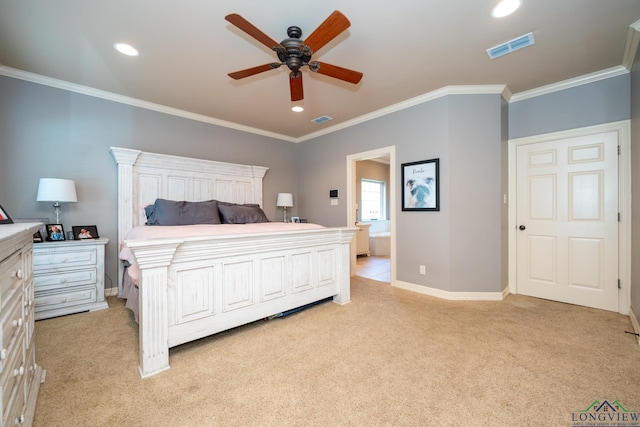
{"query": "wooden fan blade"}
(327, 31)
(339, 72)
(237, 75)
(253, 31)
(295, 83)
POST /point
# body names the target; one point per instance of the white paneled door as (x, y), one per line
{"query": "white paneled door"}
(567, 219)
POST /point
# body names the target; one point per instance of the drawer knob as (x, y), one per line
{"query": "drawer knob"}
(3, 354)
(17, 322)
(19, 420)
(63, 280)
(19, 371)
(17, 274)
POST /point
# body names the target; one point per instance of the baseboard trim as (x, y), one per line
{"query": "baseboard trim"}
(454, 296)
(635, 324)
(111, 292)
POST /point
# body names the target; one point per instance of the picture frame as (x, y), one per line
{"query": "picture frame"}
(84, 232)
(295, 219)
(40, 235)
(4, 217)
(55, 232)
(421, 185)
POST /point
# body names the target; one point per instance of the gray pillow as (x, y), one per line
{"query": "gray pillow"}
(171, 212)
(241, 214)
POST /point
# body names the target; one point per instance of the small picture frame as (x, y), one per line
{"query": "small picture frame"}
(4, 217)
(421, 185)
(55, 232)
(83, 232)
(295, 219)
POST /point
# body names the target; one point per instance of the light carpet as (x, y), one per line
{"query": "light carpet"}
(390, 357)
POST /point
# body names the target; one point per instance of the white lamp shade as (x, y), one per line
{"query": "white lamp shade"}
(56, 190)
(285, 200)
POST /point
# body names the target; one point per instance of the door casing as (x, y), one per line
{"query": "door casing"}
(624, 201)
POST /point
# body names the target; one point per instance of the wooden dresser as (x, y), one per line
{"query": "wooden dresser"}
(68, 277)
(20, 376)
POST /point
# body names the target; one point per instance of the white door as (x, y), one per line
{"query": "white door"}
(567, 219)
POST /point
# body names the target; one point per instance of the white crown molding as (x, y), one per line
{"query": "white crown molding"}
(412, 102)
(633, 39)
(85, 90)
(631, 48)
(566, 84)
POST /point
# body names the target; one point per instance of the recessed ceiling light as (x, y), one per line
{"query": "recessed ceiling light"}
(505, 8)
(297, 108)
(126, 49)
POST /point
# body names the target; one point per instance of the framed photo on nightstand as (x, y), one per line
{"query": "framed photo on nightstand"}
(55, 232)
(81, 232)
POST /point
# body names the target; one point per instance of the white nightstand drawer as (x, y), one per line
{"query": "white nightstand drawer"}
(68, 277)
(57, 258)
(68, 297)
(51, 281)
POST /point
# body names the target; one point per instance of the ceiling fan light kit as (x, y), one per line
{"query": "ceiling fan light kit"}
(296, 53)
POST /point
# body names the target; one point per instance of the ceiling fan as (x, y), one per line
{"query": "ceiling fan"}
(296, 53)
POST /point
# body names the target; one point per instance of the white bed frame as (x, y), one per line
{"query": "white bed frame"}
(197, 286)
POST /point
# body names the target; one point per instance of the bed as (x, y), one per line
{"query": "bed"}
(195, 284)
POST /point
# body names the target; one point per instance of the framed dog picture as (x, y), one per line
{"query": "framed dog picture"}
(85, 232)
(421, 185)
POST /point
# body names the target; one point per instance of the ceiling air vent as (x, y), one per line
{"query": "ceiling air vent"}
(511, 46)
(322, 119)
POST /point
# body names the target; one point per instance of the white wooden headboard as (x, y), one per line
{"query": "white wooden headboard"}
(143, 177)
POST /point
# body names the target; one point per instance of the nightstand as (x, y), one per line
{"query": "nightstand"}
(68, 277)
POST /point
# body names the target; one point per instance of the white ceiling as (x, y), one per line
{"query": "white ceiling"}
(405, 48)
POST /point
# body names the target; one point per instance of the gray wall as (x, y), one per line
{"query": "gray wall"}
(600, 102)
(48, 132)
(460, 252)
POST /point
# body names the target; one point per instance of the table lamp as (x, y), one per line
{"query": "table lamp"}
(57, 191)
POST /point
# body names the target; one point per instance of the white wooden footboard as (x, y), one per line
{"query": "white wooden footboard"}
(194, 287)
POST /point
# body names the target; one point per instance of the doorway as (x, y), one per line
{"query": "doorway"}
(569, 196)
(375, 264)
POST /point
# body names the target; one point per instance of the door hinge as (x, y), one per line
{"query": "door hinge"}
(619, 284)
(618, 150)
(619, 216)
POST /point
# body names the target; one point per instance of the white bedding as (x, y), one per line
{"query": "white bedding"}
(167, 232)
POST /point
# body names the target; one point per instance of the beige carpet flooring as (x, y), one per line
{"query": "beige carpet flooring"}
(389, 358)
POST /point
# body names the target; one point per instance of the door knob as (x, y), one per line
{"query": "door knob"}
(522, 227)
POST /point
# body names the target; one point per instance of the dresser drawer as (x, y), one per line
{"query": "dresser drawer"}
(11, 275)
(67, 298)
(62, 258)
(64, 279)
(12, 379)
(12, 330)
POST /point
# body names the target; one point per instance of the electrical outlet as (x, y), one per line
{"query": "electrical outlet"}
(423, 269)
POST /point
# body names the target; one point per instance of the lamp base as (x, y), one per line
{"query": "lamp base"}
(57, 206)
(284, 209)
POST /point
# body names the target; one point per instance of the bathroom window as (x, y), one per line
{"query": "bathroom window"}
(372, 195)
